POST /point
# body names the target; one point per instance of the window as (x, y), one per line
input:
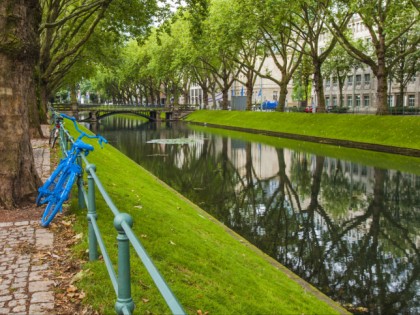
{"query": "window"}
(327, 101)
(327, 82)
(334, 101)
(367, 78)
(366, 100)
(357, 100)
(350, 80)
(390, 100)
(358, 79)
(275, 95)
(411, 100)
(334, 81)
(349, 101)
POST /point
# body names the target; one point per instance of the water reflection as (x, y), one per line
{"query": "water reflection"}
(349, 229)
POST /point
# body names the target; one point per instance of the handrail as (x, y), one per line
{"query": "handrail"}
(123, 223)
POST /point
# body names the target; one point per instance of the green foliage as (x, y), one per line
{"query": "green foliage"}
(302, 83)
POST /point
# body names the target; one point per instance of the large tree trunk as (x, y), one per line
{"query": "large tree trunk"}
(249, 90)
(381, 73)
(381, 95)
(282, 96)
(340, 89)
(225, 99)
(206, 98)
(19, 49)
(319, 88)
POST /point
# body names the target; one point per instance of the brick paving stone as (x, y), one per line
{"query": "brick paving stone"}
(20, 223)
(20, 309)
(16, 285)
(5, 298)
(41, 308)
(39, 267)
(6, 224)
(20, 296)
(36, 276)
(37, 286)
(42, 297)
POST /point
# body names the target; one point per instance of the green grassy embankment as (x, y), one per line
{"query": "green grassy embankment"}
(398, 131)
(207, 266)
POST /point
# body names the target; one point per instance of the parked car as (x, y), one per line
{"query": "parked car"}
(308, 109)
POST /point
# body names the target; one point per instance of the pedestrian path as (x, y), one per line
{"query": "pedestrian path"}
(25, 251)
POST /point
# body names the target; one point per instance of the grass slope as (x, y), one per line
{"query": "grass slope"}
(208, 267)
(400, 131)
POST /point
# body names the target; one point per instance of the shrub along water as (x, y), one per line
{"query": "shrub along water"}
(208, 267)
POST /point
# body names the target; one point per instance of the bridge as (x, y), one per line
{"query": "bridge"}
(152, 113)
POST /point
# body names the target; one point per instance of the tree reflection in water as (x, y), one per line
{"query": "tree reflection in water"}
(349, 229)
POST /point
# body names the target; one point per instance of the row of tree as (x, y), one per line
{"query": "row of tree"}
(229, 41)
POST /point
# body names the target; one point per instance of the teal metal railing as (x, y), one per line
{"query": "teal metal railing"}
(123, 223)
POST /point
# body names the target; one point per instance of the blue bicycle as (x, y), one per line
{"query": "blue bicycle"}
(57, 188)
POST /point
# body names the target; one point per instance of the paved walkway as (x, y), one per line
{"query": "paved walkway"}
(25, 250)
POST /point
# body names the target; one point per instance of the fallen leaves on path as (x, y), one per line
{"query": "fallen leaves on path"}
(67, 270)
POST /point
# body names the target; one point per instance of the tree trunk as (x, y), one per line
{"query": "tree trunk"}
(19, 49)
(400, 103)
(249, 88)
(205, 98)
(381, 73)
(340, 89)
(381, 94)
(35, 113)
(319, 88)
(282, 96)
(225, 99)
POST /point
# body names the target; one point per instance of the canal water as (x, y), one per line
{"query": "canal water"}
(350, 228)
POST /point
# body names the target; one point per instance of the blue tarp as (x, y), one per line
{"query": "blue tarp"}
(269, 105)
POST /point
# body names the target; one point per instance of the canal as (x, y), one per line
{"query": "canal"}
(347, 221)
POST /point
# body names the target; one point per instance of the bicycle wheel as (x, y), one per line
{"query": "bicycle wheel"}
(52, 182)
(57, 199)
(50, 211)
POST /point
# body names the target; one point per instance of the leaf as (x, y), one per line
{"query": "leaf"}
(66, 223)
(78, 236)
(145, 300)
(78, 276)
(71, 288)
(172, 243)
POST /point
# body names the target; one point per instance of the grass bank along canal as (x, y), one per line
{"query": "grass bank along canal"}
(345, 220)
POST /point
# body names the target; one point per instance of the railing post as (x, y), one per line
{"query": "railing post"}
(81, 198)
(93, 242)
(124, 300)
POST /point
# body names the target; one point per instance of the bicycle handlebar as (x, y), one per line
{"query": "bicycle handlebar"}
(82, 133)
